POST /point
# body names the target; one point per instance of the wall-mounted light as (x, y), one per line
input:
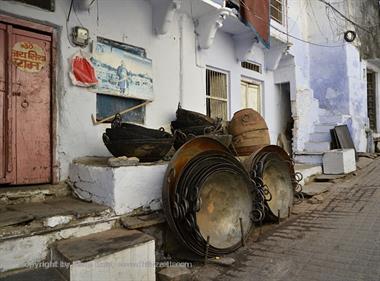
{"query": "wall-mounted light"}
(349, 36)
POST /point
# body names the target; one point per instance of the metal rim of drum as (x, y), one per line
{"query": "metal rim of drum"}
(183, 158)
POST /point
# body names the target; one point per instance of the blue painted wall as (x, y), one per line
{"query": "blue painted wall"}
(328, 78)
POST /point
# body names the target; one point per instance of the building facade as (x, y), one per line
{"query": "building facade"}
(308, 80)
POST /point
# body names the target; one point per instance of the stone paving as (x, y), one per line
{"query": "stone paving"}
(338, 239)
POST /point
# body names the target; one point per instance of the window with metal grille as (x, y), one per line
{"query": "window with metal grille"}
(276, 10)
(251, 66)
(216, 94)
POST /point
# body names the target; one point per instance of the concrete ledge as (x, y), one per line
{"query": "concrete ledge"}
(124, 189)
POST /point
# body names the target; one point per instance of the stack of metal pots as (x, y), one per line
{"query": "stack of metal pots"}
(189, 124)
(211, 200)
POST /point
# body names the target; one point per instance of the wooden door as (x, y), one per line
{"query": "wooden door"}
(3, 102)
(250, 95)
(371, 99)
(27, 108)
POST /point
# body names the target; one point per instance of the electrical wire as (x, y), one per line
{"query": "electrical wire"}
(343, 16)
(305, 41)
(294, 37)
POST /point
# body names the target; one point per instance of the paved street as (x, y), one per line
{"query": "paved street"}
(338, 239)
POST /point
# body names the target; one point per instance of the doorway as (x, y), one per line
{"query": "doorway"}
(284, 117)
(25, 104)
(371, 99)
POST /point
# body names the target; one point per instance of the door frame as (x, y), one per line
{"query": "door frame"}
(34, 26)
(375, 69)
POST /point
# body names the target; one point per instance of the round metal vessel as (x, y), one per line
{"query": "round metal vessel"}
(225, 199)
(273, 165)
(248, 129)
(206, 192)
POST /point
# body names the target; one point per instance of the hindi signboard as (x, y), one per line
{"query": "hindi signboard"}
(28, 56)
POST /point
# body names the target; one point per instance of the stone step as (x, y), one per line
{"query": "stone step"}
(304, 157)
(323, 128)
(331, 119)
(40, 274)
(28, 229)
(33, 193)
(116, 255)
(323, 112)
(317, 146)
(320, 137)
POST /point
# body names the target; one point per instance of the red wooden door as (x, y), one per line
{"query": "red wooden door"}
(3, 134)
(27, 133)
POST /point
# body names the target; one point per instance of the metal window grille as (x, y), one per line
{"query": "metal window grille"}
(216, 94)
(276, 10)
(251, 66)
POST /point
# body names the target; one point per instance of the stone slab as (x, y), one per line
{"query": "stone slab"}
(137, 222)
(307, 171)
(100, 244)
(8, 217)
(59, 207)
(315, 188)
(174, 274)
(326, 178)
(41, 274)
(39, 210)
(32, 193)
(78, 207)
(123, 161)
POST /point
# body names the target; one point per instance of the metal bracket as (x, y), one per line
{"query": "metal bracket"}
(207, 25)
(244, 44)
(163, 14)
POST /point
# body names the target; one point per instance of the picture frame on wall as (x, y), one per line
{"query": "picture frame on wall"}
(122, 70)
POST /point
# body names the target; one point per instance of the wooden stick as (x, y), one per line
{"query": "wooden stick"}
(121, 112)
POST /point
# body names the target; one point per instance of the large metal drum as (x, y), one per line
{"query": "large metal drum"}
(206, 193)
(248, 129)
(273, 167)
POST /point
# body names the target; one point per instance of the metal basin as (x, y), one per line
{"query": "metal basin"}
(225, 199)
(147, 150)
(277, 178)
(206, 191)
(132, 131)
(274, 166)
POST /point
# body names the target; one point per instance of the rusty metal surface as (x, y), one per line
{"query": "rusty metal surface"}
(277, 173)
(205, 168)
(225, 198)
(249, 129)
